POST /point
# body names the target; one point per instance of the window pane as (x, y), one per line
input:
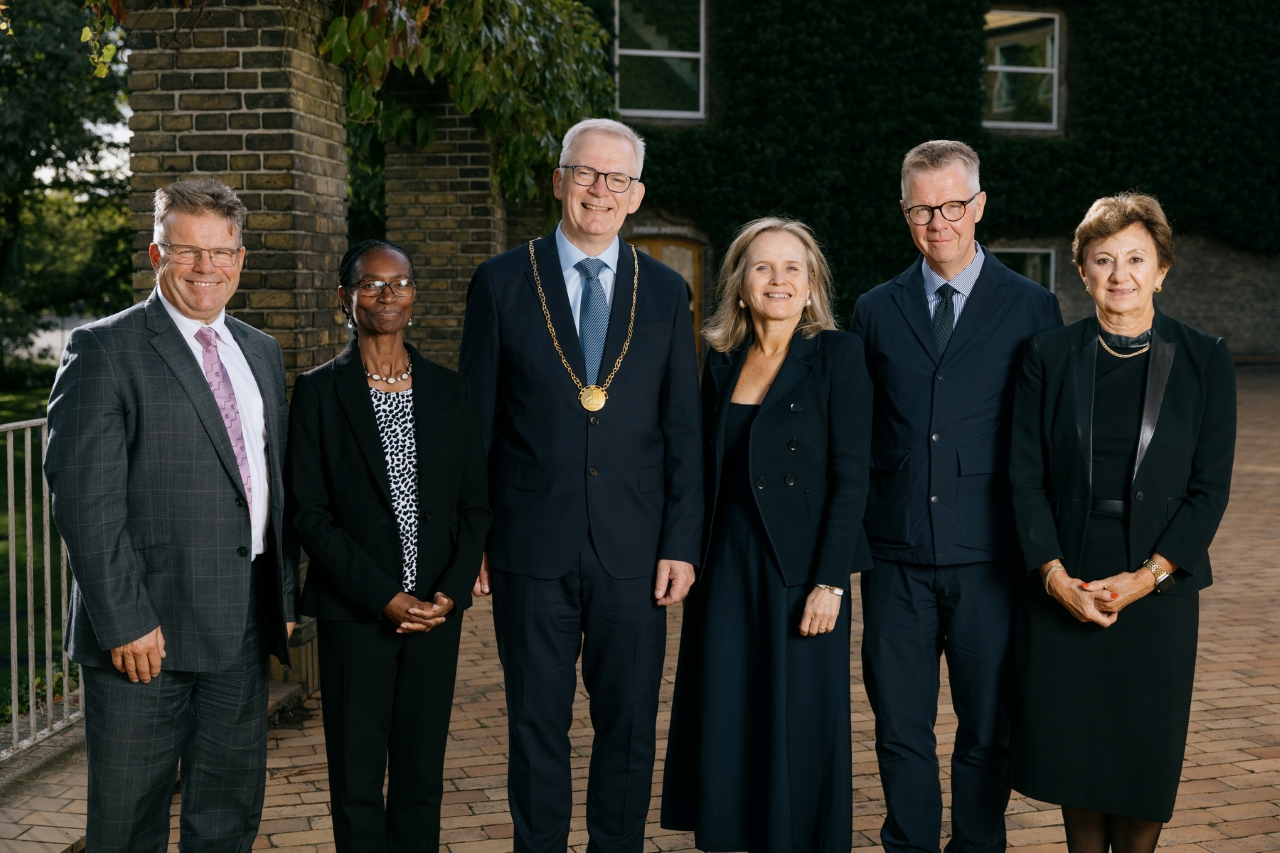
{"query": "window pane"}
(1018, 38)
(1018, 96)
(660, 24)
(658, 83)
(1036, 266)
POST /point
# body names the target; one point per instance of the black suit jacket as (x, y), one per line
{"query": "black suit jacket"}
(940, 442)
(810, 444)
(341, 492)
(631, 473)
(1182, 473)
(148, 495)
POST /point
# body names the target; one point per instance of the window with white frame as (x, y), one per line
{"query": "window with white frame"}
(1021, 80)
(660, 57)
(1035, 264)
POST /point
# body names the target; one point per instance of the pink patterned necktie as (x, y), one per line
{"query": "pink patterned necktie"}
(225, 395)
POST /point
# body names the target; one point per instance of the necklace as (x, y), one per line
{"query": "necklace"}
(391, 380)
(1118, 355)
(590, 397)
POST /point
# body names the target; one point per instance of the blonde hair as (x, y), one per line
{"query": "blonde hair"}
(607, 126)
(727, 328)
(1110, 215)
(939, 154)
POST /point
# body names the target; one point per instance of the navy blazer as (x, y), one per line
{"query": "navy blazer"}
(1181, 475)
(341, 501)
(940, 441)
(810, 443)
(631, 473)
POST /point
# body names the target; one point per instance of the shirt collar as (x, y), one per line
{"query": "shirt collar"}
(571, 254)
(963, 281)
(188, 327)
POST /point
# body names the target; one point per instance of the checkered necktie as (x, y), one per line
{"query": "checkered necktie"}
(944, 318)
(593, 317)
(225, 396)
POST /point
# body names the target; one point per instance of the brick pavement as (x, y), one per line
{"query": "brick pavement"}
(1229, 800)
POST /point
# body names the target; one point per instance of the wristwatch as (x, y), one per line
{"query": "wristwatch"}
(1164, 580)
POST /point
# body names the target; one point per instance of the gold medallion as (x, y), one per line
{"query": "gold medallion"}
(593, 398)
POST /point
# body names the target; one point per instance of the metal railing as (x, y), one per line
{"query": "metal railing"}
(28, 729)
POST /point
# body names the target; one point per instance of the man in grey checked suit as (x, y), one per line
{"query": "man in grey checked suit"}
(167, 425)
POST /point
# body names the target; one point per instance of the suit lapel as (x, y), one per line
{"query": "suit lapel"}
(984, 299)
(553, 287)
(910, 299)
(795, 368)
(619, 310)
(425, 393)
(1159, 365)
(1084, 360)
(726, 378)
(175, 352)
(353, 395)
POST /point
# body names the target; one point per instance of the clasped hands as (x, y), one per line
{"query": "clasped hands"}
(1102, 600)
(414, 616)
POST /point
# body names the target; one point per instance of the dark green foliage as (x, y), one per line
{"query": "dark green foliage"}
(813, 104)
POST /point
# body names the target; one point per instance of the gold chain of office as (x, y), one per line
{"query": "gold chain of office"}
(590, 397)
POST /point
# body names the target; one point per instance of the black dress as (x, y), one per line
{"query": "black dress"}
(758, 758)
(1101, 718)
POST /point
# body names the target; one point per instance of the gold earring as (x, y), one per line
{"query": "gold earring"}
(1087, 290)
(741, 304)
(1159, 287)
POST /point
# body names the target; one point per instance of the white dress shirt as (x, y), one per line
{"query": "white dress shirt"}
(570, 255)
(963, 283)
(248, 402)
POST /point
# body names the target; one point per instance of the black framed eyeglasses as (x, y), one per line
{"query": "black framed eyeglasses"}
(190, 255)
(952, 211)
(585, 176)
(399, 287)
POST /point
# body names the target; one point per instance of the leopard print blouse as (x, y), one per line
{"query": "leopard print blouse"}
(394, 411)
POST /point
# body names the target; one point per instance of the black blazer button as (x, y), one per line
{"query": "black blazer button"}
(796, 407)
(792, 444)
(242, 551)
(1138, 496)
(592, 471)
(760, 483)
(594, 420)
(789, 480)
(426, 516)
(241, 502)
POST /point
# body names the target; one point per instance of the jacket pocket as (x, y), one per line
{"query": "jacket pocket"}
(816, 500)
(517, 476)
(651, 478)
(1171, 507)
(888, 516)
(155, 558)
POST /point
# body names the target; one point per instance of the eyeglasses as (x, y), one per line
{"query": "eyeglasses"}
(585, 176)
(190, 255)
(399, 287)
(952, 211)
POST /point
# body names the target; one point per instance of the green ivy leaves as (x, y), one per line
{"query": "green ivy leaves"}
(101, 51)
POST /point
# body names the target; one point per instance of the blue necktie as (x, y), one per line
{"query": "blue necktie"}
(593, 317)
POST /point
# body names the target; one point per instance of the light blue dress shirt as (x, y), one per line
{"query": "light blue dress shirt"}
(570, 255)
(963, 283)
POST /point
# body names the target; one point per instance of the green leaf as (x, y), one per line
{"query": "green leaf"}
(86, 34)
(108, 53)
(337, 29)
(359, 22)
(101, 70)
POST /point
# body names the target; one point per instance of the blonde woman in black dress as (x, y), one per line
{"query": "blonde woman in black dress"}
(1124, 435)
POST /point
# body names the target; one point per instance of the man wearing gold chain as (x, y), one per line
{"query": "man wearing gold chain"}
(581, 353)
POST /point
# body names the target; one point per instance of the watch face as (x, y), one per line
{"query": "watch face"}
(1164, 583)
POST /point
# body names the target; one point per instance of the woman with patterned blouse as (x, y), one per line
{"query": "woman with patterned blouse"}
(387, 470)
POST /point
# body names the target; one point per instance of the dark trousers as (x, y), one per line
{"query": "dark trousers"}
(213, 723)
(914, 614)
(541, 626)
(387, 701)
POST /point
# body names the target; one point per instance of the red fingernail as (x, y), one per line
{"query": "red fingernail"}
(1115, 595)
(1084, 586)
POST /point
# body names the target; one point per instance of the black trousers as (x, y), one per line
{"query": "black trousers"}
(541, 626)
(913, 614)
(213, 723)
(387, 698)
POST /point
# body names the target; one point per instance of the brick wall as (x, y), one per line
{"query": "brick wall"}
(236, 91)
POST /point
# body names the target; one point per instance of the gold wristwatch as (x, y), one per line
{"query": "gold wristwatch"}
(1164, 580)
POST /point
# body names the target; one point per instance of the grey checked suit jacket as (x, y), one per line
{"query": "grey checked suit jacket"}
(148, 497)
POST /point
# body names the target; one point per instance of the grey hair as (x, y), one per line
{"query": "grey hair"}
(603, 125)
(199, 196)
(938, 154)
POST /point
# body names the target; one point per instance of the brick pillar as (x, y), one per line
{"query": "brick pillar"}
(236, 91)
(440, 208)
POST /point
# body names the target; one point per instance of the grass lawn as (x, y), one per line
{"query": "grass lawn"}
(23, 405)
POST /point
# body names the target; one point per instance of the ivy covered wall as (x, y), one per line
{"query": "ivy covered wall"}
(814, 102)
